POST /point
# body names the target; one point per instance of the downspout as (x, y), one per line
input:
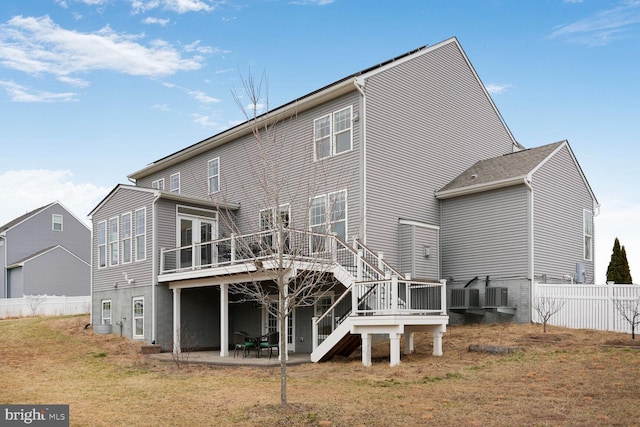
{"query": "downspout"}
(154, 268)
(532, 290)
(359, 83)
(5, 285)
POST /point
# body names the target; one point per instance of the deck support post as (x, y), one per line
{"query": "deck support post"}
(394, 343)
(437, 343)
(366, 349)
(224, 320)
(176, 320)
(408, 342)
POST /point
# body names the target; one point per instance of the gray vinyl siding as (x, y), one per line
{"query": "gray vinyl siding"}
(288, 154)
(485, 234)
(412, 242)
(36, 234)
(56, 272)
(428, 120)
(124, 200)
(560, 196)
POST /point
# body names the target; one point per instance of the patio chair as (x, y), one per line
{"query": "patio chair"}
(242, 342)
(270, 341)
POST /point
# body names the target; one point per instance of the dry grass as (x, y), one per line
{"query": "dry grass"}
(563, 377)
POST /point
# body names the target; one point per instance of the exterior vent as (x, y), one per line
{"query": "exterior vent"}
(495, 297)
(464, 298)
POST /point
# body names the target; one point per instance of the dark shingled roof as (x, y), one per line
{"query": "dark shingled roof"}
(22, 218)
(500, 169)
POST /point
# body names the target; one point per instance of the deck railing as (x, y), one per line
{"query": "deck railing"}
(237, 249)
(398, 296)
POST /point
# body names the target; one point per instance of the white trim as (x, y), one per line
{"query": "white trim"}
(136, 235)
(134, 317)
(110, 242)
(158, 184)
(130, 238)
(177, 189)
(585, 235)
(417, 223)
(53, 222)
(217, 176)
(102, 318)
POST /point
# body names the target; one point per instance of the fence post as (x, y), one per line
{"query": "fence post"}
(359, 266)
(610, 308)
(314, 333)
(394, 294)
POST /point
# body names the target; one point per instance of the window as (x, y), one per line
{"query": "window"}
(174, 182)
(140, 234)
(102, 244)
(332, 133)
(342, 130)
(126, 238)
(113, 241)
(138, 317)
(56, 222)
(214, 175)
(322, 137)
(158, 184)
(328, 214)
(268, 222)
(106, 312)
(588, 235)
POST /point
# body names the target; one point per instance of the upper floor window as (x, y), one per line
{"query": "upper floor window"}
(114, 253)
(174, 182)
(332, 134)
(213, 176)
(158, 184)
(102, 244)
(56, 221)
(588, 235)
(140, 231)
(126, 238)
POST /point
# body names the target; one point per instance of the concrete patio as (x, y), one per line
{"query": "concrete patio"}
(213, 358)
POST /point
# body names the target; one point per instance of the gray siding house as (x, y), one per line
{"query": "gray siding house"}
(374, 162)
(45, 252)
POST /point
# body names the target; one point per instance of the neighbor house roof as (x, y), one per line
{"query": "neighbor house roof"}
(310, 100)
(21, 218)
(504, 171)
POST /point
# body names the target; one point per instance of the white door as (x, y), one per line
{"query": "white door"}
(205, 231)
(270, 324)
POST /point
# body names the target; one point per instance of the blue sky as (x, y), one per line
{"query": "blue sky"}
(93, 90)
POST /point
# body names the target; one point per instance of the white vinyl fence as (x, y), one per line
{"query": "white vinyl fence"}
(44, 305)
(590, 306)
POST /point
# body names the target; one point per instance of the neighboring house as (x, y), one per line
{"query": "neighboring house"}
(45, 252)
(373, 158)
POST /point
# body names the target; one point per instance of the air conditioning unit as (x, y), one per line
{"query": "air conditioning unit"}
(463, 298)
(495, 297)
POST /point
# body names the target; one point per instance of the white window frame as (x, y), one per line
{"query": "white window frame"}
(158, 184)
(329, 135)
(127, 240)
(323, 222)
(587, 232)
(137, 318)
(331, 221)
(174, 182)
(106, 320)
(336, 133)
(57, 219)
(102, 244)
(140, 233)
(319, 138)
(113, 241)
(213, 179)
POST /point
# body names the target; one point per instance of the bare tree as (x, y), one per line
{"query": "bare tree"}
(547, 307)
(33, 302)
(293, 259)
(630, 311)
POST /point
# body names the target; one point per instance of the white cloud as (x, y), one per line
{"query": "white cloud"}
(198, 95)
(498, 89)
(602, 27)
(40, 46)
(178, 6)
(30, 189)
(157, 21)
(19, 93)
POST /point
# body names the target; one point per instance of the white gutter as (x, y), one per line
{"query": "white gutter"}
(359, 83)
(154, 267)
